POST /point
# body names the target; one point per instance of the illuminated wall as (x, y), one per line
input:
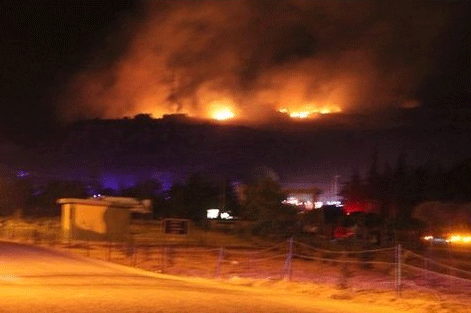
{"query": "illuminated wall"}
(89, 219)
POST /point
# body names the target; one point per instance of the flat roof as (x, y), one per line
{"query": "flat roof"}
(133, 205)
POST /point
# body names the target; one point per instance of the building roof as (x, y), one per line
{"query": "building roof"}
(132, 204)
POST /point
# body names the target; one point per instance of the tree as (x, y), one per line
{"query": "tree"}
(373, 178)
(402, 190)
(264, 204)
(458, 183)
(148, 189)
(15, 196)
(228, 200)
(193, 198)
(45, 202)
(22, 192)
(354, 190)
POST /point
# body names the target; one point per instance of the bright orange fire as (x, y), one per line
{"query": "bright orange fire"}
(223, 114)
(456, 238)
(460, 238)
(309, 112)
(221, 111)
(303, 114)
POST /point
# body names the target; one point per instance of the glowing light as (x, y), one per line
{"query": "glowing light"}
(292, 201)
(224, 114)
(306, 204)
(329, 110)
(310, 111)
(212, 213)
(226, 216)
(22, 174)
(459, 239)
(215, 213)
(299, 114)
(221, 111)
(433, 239)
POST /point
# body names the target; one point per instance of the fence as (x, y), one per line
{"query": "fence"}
(390, 268)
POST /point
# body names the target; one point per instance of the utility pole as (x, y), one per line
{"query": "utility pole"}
(335, 186)
(223, 195)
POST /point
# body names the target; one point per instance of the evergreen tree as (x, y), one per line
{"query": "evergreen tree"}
(193, 198)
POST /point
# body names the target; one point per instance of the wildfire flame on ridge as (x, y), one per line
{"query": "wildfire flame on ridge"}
(310, 113)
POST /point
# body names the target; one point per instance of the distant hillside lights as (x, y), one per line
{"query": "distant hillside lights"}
(212, 214)
(292, 200)
(22, 174)
(336, 203)
(308, 205)
(300, 203)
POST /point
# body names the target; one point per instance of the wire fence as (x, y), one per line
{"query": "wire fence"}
(389, 268)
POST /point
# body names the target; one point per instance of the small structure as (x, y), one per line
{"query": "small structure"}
(103, 218)
(176, 226)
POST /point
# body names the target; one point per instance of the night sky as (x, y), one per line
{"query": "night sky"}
(66, 60)
(43, 44)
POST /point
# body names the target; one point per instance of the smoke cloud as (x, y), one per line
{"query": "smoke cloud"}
(260, 56)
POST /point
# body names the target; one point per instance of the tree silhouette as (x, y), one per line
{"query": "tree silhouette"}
(264, 204)
(45, 201)
(193, 198)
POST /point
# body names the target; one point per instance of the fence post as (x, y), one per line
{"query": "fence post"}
(36, 239)
(109, 251)
(164, 251)
(218, 266)
(287, 267)
(452, 259)
(290, 262)
(427, 275)
(398, 270)
(250, 265)
(428, 255)
(133, 253)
